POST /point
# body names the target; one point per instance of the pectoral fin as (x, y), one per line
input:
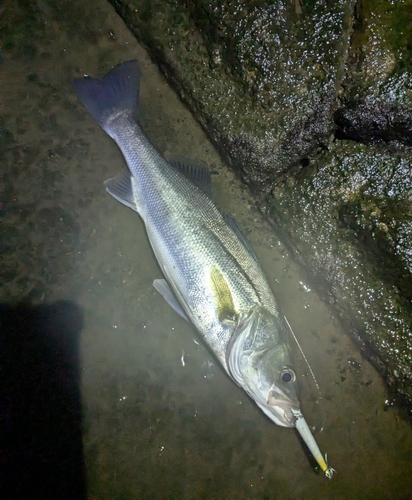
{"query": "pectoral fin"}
(222, 296)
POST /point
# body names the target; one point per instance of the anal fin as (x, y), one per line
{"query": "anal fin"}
(120, 187)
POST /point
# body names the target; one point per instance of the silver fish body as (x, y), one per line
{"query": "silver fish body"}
(212, 275)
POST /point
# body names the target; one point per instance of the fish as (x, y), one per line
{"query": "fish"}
(212, 277)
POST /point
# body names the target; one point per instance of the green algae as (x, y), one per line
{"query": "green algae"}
(377, 96)
(262, 78)
(265, 81)
(349, 223)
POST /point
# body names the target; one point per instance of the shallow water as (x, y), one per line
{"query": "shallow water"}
(161, 419)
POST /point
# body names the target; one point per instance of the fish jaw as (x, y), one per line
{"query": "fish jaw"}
(280, 414)
(255, 351)
(258, 359)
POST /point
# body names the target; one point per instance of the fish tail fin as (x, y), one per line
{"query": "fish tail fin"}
(118, 91)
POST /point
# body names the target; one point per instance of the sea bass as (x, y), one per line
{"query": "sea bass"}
(213, 278)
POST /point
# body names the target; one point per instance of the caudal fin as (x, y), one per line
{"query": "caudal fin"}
(117, 91)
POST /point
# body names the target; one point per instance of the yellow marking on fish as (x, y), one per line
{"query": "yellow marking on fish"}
(222, 295)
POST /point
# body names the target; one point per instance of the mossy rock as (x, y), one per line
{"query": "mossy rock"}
(262, 78)
(348, 221)
(377, 101)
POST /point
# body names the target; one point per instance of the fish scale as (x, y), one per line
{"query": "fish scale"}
(189, 237)
(213, 278)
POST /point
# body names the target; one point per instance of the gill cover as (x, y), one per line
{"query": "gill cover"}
(259, 360)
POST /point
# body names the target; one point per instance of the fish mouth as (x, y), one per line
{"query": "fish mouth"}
(277, 405)
(280, 409)
(274, 402)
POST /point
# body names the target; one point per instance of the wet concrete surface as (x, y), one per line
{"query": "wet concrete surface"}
(153, 426)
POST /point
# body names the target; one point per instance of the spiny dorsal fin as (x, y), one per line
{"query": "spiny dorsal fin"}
(234, 225)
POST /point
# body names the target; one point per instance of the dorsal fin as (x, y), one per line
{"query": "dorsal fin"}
(198, 173)
(234, 225)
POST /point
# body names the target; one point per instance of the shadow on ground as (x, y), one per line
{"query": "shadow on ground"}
(41, 448)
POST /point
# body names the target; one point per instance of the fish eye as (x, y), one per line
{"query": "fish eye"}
(288, 375)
